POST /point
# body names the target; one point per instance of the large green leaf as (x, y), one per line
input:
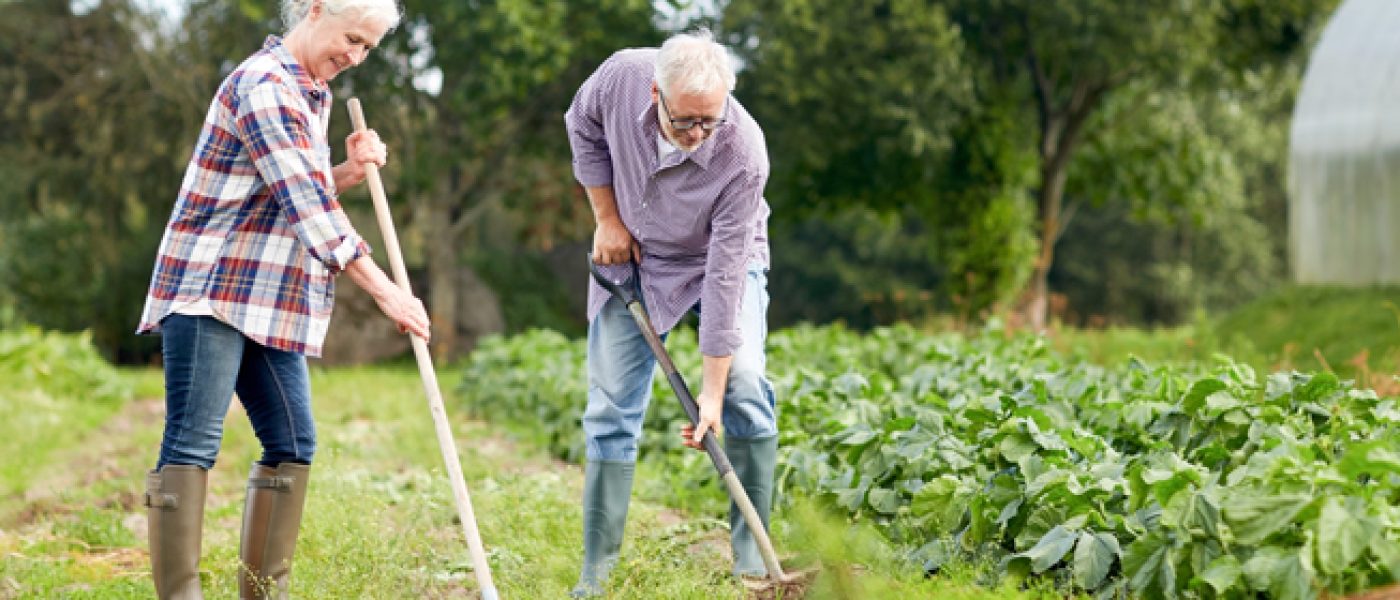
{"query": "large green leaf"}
(1147, 564)
(1280, 572)
(1223, 574)
(1254, 515)
(1195, 399)
(1017, 446)
(1377, 458)
(1343, 531)
(885, 501)
(1093, 558)
(1050, 549)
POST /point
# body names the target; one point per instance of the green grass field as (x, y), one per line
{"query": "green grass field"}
(1353, 332)
(78, 435)
(380, 521)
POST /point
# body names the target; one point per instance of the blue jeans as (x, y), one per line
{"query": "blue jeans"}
(621, 367)
(206, 361)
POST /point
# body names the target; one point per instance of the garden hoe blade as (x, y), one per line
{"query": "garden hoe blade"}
(430, 385)
(778, 584)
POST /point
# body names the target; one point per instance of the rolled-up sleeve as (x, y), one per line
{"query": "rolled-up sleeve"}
(731, 237)
(279, 140)
(584, 122)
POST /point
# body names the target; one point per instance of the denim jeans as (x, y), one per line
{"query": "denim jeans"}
(621, 367)
(206, 361)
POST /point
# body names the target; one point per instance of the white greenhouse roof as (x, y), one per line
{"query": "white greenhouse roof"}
(1344, 153)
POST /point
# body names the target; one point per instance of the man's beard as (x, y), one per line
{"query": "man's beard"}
(679, 143)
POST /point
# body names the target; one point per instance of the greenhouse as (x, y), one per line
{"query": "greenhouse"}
(1345, 151)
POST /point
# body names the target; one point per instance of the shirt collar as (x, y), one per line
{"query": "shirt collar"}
(314, 91)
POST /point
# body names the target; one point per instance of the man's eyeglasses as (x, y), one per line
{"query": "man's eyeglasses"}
(684, 124)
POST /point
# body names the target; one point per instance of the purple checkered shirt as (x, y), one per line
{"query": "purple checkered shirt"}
(699, 217)
(257, 230)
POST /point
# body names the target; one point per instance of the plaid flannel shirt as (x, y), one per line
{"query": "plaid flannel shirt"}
(257, 230)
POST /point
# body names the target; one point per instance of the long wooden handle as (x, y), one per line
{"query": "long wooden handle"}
(425, 369)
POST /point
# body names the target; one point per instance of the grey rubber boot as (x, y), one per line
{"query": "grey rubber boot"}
(607, 489)
(174, 523)
(271, 522)
(755, 460)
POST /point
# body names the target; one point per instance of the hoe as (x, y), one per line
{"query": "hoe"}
(778, 584)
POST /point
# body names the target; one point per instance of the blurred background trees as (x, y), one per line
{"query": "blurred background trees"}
(935, 157)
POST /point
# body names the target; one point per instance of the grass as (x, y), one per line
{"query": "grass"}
(1295, 326)
(1352, 332)
(54, 389)
(380, 519)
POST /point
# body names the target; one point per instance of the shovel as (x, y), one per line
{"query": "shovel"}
(777, 579)
(425, 369)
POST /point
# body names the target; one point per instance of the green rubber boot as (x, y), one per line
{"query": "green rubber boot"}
(755, 460)
(607, 488)
(175, 521)
(271, 521)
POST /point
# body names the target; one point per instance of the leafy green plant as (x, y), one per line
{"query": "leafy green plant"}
(1203, 481)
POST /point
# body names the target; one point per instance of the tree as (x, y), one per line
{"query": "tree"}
(1069, 62)
(97, 135)
(871, 106)
(485, 150)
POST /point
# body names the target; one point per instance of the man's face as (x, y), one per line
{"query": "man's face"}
(334, 43)
(696, 108)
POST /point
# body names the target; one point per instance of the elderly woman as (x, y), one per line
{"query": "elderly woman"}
(243, 288)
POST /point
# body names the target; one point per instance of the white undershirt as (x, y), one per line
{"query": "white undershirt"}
(664, 148)
(198, 308)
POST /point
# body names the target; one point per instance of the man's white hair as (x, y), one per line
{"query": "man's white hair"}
(386, 11)
(693, 63)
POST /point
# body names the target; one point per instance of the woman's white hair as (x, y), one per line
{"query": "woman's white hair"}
(693, 63)
(387, 11)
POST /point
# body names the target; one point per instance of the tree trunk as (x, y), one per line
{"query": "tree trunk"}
(1050, 198)
(440, 255)
(462, 307)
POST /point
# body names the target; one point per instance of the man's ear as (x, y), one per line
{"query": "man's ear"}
(655, 92)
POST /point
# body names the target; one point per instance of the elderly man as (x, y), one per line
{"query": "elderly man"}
(674, 168)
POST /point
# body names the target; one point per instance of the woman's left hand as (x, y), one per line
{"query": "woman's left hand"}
(364, 147)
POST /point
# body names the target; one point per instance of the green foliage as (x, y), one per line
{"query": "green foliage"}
(844, 120)
(851, 130)
(88, 177)
(1194, 481)
(56, 387)
(1116, 268)
(1354, 330)
(533, 295)
(485, 148)
(98, 134)
(903, 136)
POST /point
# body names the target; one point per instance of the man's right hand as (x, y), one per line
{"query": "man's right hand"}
(613, 244)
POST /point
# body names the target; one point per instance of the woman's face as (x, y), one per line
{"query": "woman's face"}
(331, 43)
